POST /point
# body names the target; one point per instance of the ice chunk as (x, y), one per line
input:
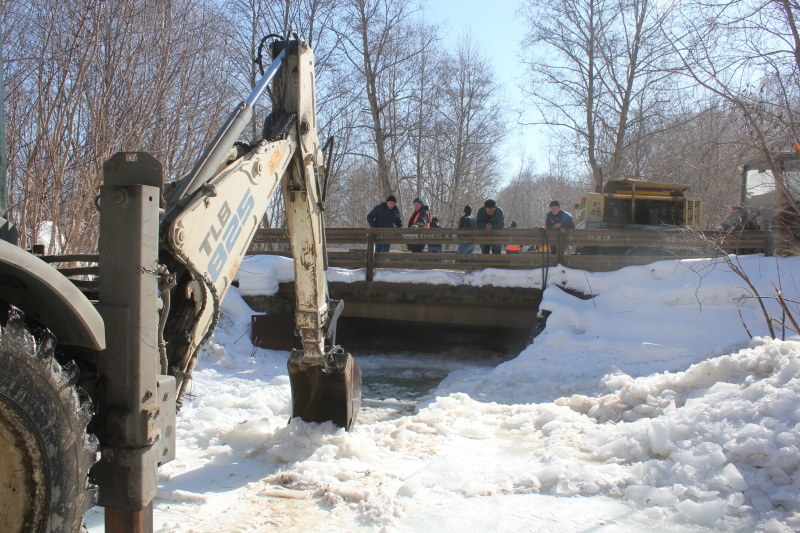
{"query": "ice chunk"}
(658, 435)
(648, 496)
(704, 513)
(731, 477)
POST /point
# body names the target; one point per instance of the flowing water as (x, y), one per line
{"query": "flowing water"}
(393, 384)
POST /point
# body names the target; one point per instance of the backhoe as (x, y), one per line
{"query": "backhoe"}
(92, 371)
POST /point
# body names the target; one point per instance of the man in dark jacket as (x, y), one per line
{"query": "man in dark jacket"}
(490, 217)
(385, 215)
(435, 248)
(420, 218)
(557, 218)
(466, 222)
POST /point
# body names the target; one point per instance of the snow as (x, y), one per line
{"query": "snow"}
(646, 407)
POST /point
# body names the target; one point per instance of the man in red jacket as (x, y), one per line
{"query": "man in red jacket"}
(420, 218)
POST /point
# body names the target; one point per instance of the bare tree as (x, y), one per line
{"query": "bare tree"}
(312, 20)
(469, 127)
(745, 53)
(42, 109)
(639, 70)
(103, 77)
(379, 42)
(566, 66)
(599, 70)
(525, 199)
(703, 150)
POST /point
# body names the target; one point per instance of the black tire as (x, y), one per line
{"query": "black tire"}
(45, 452)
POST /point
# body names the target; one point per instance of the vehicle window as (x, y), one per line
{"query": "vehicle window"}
(759, 182)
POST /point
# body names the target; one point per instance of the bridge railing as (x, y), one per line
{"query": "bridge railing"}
(592, 250)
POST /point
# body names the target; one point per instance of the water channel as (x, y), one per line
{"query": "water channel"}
(402, 365)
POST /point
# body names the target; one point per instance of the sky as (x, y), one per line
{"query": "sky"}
(499, 31)
(645, 408)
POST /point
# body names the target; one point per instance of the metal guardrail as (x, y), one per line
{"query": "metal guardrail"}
(592, 250)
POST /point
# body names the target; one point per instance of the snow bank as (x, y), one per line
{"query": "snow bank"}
(646, 407)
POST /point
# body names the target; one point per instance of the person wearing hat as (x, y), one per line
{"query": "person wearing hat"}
(490, 217)
(559, 219)
(420, 218)
(513, 248)
(466, 222)
(385, 215)
(435, 248)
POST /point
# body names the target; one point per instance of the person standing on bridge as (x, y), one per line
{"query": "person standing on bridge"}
(490, 217)
(467, 222)
(513, 248)
(385, 215)
(558, 219)
(420, 218)
(435, 248)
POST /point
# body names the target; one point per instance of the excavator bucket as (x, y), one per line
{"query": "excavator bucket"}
(329, 391)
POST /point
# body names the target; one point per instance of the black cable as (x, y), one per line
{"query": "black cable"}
(541, 316)
(259, 60)
(327, 152)
(545, 250)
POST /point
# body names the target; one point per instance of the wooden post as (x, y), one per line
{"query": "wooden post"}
(370, 257)
(769, 245)
(561, 246)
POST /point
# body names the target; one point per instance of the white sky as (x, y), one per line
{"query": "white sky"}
(646, 408)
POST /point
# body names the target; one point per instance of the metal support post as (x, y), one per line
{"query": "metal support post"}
(135, 404)
(122, 521)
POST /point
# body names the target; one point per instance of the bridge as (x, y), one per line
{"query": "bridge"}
(424, 312)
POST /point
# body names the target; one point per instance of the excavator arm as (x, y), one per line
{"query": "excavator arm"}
(180, 256)
(212, 215)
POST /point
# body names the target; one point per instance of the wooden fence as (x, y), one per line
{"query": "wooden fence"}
(592, 250)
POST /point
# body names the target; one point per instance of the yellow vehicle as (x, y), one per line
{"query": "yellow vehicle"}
(637, 204)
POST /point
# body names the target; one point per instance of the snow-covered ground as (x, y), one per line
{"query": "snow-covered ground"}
(647, 407)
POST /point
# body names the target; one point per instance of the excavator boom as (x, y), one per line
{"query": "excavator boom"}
(213, 213)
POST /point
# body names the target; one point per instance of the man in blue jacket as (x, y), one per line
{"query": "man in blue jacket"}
(490, 217)
(557, 218)
(385, 215)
